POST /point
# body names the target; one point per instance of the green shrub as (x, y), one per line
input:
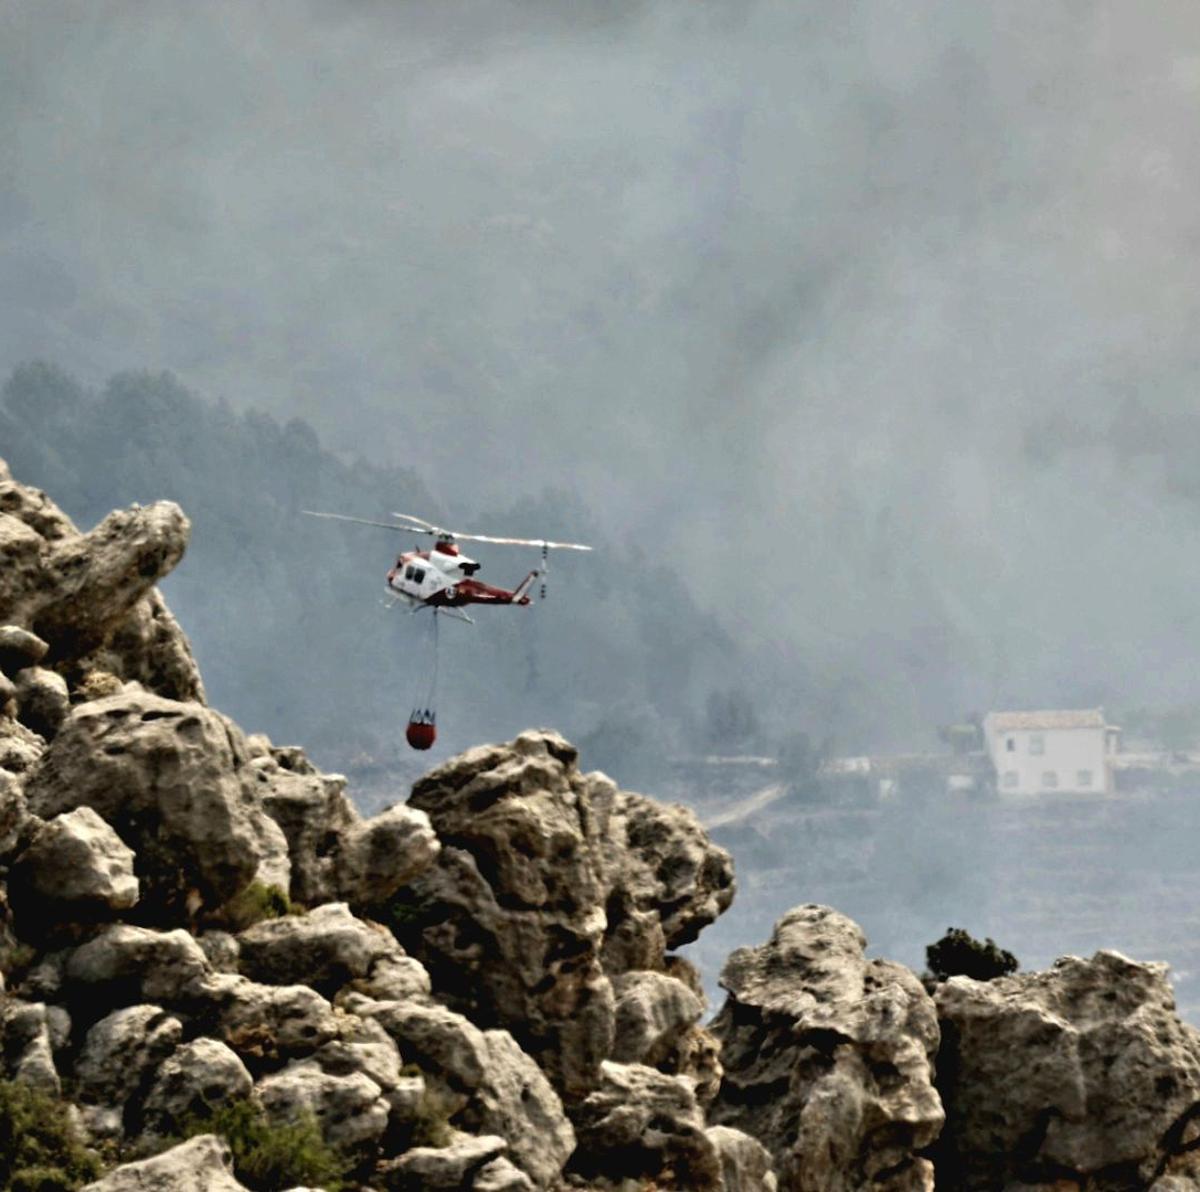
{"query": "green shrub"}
(270, 1155)
(959, 954)
(431, 1125)
(39, 1149)
(252, 905)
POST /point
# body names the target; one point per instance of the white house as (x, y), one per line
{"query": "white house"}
(1055, 752)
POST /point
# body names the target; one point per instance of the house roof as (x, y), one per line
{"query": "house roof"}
(1052, 718)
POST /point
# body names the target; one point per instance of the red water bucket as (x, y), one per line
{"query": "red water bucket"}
(420, 735)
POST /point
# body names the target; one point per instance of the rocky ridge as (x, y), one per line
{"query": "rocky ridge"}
(478, 988)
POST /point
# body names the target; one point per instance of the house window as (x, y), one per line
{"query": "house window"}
(1084, 777)
(1010, 778)
(1011, 744)
(1049, 779)
(1037, 744)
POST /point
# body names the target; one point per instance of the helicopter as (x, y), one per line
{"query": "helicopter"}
(443, 578)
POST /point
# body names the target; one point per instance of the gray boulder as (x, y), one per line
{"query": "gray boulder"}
(120, 1053)
(267, 1025)
(510, 920)
(325, 948)
(75, 869)
(17, 826)
(91, 597)
(125, 964)
(202, 1164)
(1083, 1073)
(42, 700)
(20, 649)
(335, 854)
(452, 1168)
(486, 1081)
(198, 1077)
(667, 880)
(641, 1124)
(501, 1176)
(172, 779)
(828, 1058)
(745, 1163)
(20, 747)
(31, 1033)
(653, 1014)
(350, 1111)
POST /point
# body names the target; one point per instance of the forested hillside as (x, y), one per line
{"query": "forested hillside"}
(285, 611)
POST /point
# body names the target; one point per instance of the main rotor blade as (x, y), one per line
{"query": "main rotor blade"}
(524, 542)
(420, 521)
(430, 528)
(362, 521)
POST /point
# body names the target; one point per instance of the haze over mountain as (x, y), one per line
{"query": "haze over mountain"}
(843, 313)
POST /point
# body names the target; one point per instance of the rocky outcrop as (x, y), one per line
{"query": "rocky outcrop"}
(483, 1079)
(514, 909)
(172, 780)
(666, 881)
(1081, 1074)
(326, 948)
(196, 1077)
(336, 855)
(75, 870)
(119, 1054)
(203, 1164)
(569, 883)
(828, 1058)
(91, 596)
(640, 1124)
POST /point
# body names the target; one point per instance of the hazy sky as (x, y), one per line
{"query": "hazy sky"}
(792, 285)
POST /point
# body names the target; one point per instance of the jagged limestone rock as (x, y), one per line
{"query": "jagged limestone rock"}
(451, 1168)
(326, 948)
(126, 964)
(487, 1081)
(121, 1051)
(667, 881)
(1082, 1072)
(828, 1058)
(171, 779)
(30, 1035)
(516, 902)
(198, 1077)
(335, 854)
(91, 596)
(362, 1046)
(641, 1124)
(653, 1013)
(76, 868)
(266, 1024)
(20, 748)
(202, 1164)
(745, 1163)
(550, 882)
(350, 1110)
(20, 649)
(17, 826)
(42, 700)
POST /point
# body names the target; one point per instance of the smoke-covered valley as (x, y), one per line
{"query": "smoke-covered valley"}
(858, 339)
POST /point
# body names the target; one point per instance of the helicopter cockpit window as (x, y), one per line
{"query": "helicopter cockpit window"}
(408, 571)
(419, 577)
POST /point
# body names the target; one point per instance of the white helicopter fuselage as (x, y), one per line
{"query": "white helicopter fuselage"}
(421, 575)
